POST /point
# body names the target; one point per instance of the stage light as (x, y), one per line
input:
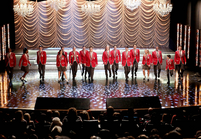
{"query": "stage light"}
(23, 8)
(162, 7)
(132, 4)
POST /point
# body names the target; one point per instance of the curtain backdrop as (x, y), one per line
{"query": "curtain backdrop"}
(113, 25)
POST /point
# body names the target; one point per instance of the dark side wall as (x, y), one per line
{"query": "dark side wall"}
(186, 12)
(7, 17)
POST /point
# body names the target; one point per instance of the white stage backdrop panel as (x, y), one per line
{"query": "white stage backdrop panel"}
(113, 25)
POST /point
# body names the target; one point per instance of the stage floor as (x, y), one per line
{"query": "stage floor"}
(179, 93)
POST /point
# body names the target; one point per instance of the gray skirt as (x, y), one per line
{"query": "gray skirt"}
(145, 67)
(60, 68)
(25, 69)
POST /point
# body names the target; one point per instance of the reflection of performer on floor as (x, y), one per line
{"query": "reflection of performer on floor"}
(126, 61)
(180, 61)
(169, 67)
(91, 62)
(10, 63)
(146, 63)
(83, 54)
(135, 58)
(116, 58)
(74, 60)
(61, 62)
(24, 64)
(157, 62)
(65, 53)
(107, 60)
(41, 61)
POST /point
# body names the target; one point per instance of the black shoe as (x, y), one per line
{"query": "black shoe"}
(92, 80)
(155, 78)
(82, 73)
(42, 79)
(143, 78)
(147, 79)
(168, 82)
(21, 79)
(116, 72)
(59, 80)
(113, 76)
(110, 75)
(135, 74)
(67, 82)
(24, 80)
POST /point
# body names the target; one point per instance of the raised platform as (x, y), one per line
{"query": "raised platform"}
(52, 52)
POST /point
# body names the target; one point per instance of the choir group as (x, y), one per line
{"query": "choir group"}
(88, 60)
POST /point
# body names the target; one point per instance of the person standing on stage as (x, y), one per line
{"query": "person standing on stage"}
(169, 67)
(91, 62)
(146, 63)
(135, 58)
(116, 58)
(74, 60)
(41, 61)
(65, 53)
(157, 61)
(62, 63)
(126, 61)
(24, 64)
(83, 54)
(10, 63)
(107, 60)
(180, 61)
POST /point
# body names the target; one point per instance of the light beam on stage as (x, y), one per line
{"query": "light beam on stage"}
(189, 36)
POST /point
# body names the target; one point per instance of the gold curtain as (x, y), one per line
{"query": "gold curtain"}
(113, 25)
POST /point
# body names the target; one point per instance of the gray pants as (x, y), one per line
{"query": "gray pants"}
(135, 66)
(107, 67)
(158, 66)
(41, 70)
(180, 68)
(169, 73)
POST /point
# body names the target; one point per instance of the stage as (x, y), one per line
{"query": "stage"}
(180, 93)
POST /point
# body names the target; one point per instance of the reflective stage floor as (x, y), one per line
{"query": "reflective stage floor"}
(179, 93)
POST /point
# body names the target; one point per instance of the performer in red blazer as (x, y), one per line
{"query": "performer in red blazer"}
(169, 67)
(157, 61)
(91, 62)
(116, 58)
(65, 53)
(10, 63)
(41, 61)
(126, 61)
(24, 64)
(146, 63)
(83, 54)
(107, 60)
(180, 61)
(62, 64)
(135, 58)
(74, 60)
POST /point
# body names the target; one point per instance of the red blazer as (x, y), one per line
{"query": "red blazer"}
(170, 64)
(116, 57)
(11, 61)
(136, 56)
(177, 57)
(91, 61)
(24, 60)
(71, 57)
(63, 61)
(83, 56)
(42, 58)
(147, 60)
(107, 58)
(155, 59)
(126, 59)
